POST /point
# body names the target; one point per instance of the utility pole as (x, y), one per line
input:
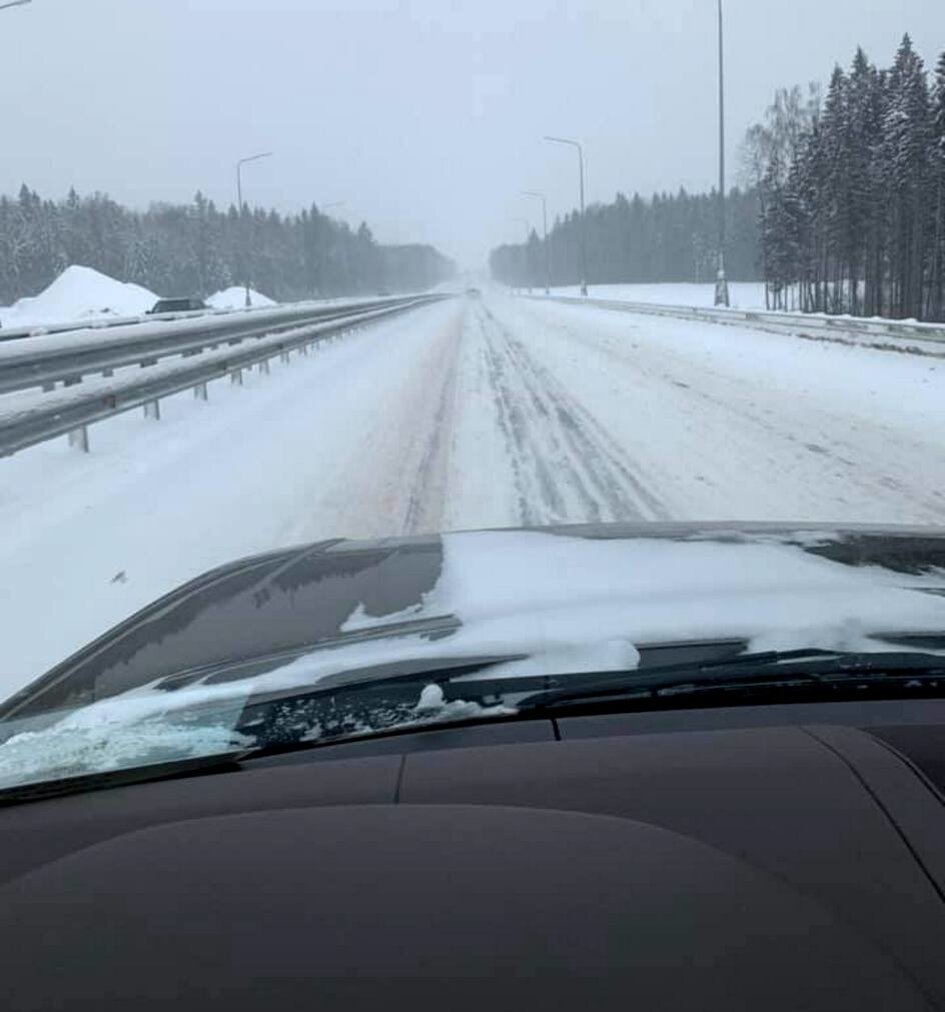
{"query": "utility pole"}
(239, 197)
(580, 151)
(721, 283)
(544, 224)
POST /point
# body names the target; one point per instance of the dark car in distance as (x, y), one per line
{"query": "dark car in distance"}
(177, 305)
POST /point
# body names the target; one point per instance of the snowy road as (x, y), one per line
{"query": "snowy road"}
(468, 413)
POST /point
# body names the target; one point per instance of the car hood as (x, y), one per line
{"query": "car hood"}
(569, 598)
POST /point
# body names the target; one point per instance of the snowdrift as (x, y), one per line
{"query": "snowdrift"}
(79, 293)
(235, 298)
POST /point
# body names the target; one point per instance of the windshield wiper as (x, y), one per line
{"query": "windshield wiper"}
(40, 790)
(812, 669)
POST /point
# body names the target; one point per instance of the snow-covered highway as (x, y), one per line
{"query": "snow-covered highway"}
(467, 413)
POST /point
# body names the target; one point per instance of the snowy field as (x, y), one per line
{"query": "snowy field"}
(742, 294)
(463, 414)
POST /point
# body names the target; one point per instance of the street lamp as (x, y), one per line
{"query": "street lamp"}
(14, 3)
(239, 197)
(544, 223)
(580, 151)
(721, 284)
(526, 274)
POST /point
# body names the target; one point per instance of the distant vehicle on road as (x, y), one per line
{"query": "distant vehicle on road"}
(177, 306)
(383, 293)
(473, 292)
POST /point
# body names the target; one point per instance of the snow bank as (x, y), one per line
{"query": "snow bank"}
(235, 298)
(79, 293)
(743, 294)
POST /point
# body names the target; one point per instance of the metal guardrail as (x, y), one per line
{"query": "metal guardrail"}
(108, 322)
(70, 410)
(44, 361)
(105, 323)
(762, 319)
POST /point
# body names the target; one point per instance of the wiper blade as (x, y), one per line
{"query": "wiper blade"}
(772, 669)
(40, 790)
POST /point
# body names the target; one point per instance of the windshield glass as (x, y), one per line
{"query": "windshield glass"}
(514, 267)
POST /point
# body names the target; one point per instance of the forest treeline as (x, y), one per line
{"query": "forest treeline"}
(669, 237)
(197, 249)
(842, 208)
(852, 191)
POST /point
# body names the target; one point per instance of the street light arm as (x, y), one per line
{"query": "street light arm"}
(254, 158)
(14, 3)
(565, 140)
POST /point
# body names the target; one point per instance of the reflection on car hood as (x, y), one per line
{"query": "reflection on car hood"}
(571, 598)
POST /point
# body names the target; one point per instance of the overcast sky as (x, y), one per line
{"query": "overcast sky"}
(425, 117)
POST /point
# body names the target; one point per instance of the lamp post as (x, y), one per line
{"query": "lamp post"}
(239, 197)
(721, 283)
(14, 3)
(526, 275)
(580, 151)
(544, 225)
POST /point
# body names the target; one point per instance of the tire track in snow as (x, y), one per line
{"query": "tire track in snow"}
(430, 486)
(566, 466)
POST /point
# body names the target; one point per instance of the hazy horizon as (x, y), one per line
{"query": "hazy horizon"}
(425, 119)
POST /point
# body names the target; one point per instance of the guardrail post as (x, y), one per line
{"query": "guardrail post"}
(48, 387)
(200, 392)
(264, 367)
(72, 381)
(79, 439)
(153, 410)
(108, 373)
(236, 377)
(284, 357)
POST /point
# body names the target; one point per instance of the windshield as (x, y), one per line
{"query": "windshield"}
(278, 324)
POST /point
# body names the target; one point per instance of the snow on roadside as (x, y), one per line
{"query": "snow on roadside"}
(79, 293)
(743, 294)
(235, 298)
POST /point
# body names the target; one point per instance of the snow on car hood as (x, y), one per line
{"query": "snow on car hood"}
(571, 599)
(556, 601)
(575, 603)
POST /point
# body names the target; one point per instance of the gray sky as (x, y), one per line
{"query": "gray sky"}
(425, 116)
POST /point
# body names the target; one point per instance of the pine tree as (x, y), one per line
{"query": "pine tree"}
(937, 163)
(905, 154)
